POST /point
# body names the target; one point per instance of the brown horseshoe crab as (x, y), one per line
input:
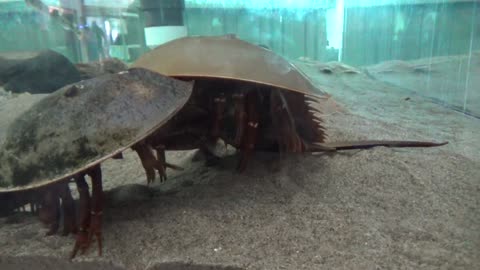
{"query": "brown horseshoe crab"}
(246, 95)
(70, 132)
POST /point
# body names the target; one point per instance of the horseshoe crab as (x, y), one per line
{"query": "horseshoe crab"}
(70, 132)
(39, 201)
(246, 95)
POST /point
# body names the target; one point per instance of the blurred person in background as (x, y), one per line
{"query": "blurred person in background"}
(101, 40)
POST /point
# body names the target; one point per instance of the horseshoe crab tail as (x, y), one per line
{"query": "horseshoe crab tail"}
(349, 145)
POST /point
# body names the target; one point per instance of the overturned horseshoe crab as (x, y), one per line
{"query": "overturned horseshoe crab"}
(246, 95)
(70, 132)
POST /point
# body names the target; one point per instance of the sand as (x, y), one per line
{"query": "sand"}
(372, 209)
(449, 80)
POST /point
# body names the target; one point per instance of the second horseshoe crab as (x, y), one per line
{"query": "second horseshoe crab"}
(245, 95)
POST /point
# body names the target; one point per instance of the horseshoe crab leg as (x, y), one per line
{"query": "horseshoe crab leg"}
(68, 206)
(81, 242)
(161, 162)
(219, 115)
(95, 228)
(240, 117)
(150, 162)
(33, 208)
(250, 137)
(50, 211)
(288, 138)
(91, 210)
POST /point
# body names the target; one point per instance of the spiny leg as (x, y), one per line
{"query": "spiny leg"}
(288, 138)
(33, 207)
(81, 242)
(34, 199)
(68, 206)
(250, 137)
(148, 160)
(160, 149)
(288, 133)
(95, 228)
(220, 103)
(216, 130)
(277, 108)
(240, 118)
(31, 198)
(50, 212)
(162, 162)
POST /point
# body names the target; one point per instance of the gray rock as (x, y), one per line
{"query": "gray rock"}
(44, 72)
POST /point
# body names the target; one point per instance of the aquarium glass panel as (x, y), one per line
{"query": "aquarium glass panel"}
(239, 134)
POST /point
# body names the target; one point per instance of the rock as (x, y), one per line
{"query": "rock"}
(44, 72)
(94, 69)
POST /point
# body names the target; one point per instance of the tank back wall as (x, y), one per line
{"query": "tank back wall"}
(164, 21)
(23, 28)
(372, 33)
(403, 32)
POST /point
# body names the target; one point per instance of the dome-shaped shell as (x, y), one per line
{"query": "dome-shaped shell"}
(82, 124)
(225, 57)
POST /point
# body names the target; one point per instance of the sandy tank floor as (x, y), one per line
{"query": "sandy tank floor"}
(370, 209)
